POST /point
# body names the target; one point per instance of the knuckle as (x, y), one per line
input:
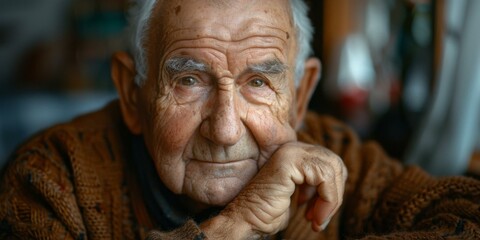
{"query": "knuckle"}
(327, 172)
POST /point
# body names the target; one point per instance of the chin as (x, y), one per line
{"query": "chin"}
(219, 195)
(218, 202)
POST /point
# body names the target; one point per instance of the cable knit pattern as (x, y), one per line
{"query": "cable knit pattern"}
(72, 182)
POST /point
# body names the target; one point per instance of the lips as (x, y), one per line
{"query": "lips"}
(229, 169)
(221, 162)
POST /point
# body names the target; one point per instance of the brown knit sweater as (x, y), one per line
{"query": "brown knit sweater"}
(72, 182)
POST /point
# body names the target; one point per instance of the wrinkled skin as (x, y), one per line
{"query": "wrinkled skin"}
(211, 130)
(265, 201)
(212, 137)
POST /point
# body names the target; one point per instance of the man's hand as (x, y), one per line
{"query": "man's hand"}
(263, 206)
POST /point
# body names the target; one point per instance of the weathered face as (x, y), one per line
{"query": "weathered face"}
(219, 96)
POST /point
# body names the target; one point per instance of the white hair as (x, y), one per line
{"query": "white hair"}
(141, 11)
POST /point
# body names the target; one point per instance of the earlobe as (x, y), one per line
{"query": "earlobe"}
(123, 75)
(306, 88)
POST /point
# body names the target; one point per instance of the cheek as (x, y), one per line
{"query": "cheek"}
(284, 106)
(172, 129)
(173, 126)
(270, 128)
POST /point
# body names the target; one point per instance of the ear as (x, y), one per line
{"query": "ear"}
(123, 76)
(306, 88)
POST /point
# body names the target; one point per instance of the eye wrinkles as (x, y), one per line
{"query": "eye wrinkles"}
(258, 79)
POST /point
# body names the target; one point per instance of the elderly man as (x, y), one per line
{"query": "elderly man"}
(210, 139)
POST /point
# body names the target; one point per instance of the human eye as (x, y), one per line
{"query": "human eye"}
(191, 87)
(256, 82)
(258, 89)
(188, 81)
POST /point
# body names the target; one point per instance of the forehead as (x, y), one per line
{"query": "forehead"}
(224, 20)
(185, 13)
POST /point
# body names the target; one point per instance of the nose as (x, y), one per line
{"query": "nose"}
(223, 126)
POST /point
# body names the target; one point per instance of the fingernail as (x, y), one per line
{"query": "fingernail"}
(325, 224)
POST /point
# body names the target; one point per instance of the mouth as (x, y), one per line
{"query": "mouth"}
(225, 168)
(222, 162)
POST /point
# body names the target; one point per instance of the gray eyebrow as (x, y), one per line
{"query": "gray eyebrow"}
(184, 64)
(269, 67)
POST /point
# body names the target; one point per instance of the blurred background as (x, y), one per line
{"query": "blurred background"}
(405, 73)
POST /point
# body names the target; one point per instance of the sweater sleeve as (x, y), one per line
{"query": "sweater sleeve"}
(189, 231)
(387, 200)
(35, 200)
(68, 182)
(393, 202)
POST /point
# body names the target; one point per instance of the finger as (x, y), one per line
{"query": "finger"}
(333, 188)
(322, 211)
(318, 228)
(319, 212)
(340, 180)
(325, 179)
(323, 206)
